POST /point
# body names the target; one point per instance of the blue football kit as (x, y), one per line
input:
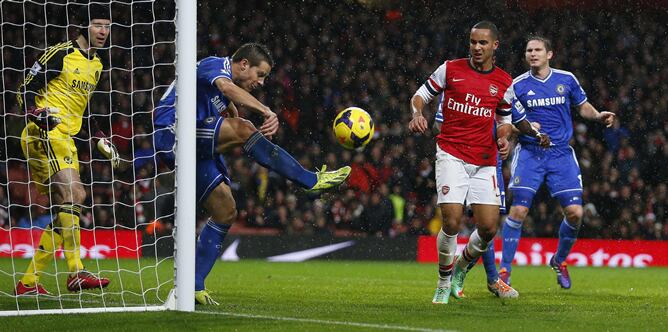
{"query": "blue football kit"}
(210, 166)
(211, 103)
(548, 102)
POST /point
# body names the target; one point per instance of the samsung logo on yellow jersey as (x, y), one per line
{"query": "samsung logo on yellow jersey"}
(83, 85)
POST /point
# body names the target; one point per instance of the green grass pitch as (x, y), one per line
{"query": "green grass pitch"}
(357, 296)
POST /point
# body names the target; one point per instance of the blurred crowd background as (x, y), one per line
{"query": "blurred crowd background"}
(333, 54)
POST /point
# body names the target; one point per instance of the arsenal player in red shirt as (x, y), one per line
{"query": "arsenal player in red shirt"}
(476, 94)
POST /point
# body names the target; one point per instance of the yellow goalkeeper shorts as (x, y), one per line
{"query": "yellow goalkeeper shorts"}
(47, 154)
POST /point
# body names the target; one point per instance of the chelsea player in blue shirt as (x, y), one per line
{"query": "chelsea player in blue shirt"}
(223, 82)
(545, 96)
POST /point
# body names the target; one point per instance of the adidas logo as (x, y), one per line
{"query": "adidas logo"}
(76, 71)
(531, 93)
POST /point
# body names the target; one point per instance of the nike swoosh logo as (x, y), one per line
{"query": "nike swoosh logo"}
(303, 255)
(230, 253)
(457, 79)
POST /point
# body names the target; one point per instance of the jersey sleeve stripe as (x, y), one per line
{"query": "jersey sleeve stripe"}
(49, 51)
(520, 78)
(524, 116)
(219, 76)
(47, 56)
(435, 85)
(503, 112)
(431, 89)
(439, 116)
(44, 59)
(582, 102)
(53, 50)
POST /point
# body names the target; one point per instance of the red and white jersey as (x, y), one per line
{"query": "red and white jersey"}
(471, 102)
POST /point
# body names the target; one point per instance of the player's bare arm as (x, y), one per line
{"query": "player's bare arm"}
(418, 123)
(243, 98)
(589, 112)
(232, 111)
(503, 133)
(525, 127)
(504, 128)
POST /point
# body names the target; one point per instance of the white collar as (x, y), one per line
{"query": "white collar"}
(543, 80)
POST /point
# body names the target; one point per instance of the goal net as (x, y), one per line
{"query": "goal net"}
(128, 217)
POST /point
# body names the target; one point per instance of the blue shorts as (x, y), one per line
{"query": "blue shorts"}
(210, 166)
(557, 167)
(163, 143)
(502, 187)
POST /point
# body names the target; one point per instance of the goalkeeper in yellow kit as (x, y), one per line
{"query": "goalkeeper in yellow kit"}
(55, 95)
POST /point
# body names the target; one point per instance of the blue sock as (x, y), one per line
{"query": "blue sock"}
(567, 236)
(512, 231)
(490, 264)
(276, 159)
(209, 245)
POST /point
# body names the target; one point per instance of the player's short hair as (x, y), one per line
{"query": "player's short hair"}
(489, 26)
(544, 40)
(255, 53)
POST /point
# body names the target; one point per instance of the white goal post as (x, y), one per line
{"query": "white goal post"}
(184, 246)
(127, 238)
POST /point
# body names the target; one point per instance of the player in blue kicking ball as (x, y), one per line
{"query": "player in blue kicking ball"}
(545, 95)
(222, 83)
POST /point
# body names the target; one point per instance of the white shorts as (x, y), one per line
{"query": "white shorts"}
(458, 181)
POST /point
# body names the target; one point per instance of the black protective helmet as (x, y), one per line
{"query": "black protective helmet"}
(89, 12)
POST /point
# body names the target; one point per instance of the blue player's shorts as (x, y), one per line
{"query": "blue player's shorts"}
(163, 143)
(557, 167)
(210, 167)
(502, 186)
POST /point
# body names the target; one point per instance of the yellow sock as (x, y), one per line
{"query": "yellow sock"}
(68, 216)
(48, 243)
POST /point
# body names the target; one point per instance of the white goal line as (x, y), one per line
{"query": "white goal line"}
(94, 310)
(326, 322)
(140, 308)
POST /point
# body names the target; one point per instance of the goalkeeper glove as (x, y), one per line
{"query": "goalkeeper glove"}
(108, 149)
(44, 117)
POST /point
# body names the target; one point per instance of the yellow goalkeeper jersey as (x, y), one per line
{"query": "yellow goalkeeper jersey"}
(63, 77)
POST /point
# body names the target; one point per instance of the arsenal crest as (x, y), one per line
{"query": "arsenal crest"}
(493, 89)
(445, 190)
